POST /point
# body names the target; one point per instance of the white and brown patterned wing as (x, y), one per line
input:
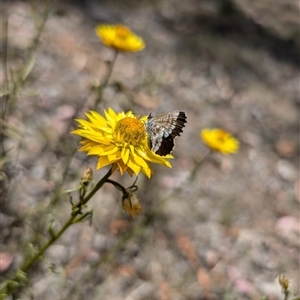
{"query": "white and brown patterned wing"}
(163, 129)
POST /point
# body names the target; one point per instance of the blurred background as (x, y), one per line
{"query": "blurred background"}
(228, 232)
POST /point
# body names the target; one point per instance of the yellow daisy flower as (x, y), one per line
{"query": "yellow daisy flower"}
(120, 38)
(119, 139)
(220, 140)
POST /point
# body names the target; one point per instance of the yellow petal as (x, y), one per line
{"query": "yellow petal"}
(95, 150)
(122, 167)
(97, 119)
(147, 171)
(102, 162)
(134, 167)
(130, 172)
(110, 150)
(114, 156)
(109, 118)
(125, 154)
(140, 161)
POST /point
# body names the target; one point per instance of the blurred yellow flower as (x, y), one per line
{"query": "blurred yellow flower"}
(220, 140)
(131, 204)
(119, 139)
(119, 37)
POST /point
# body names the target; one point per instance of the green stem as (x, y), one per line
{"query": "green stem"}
(117, 185)
(56, 236)
(18, 78)
(71, 220)
(104, 82)
(59, 186)
(29, 263)
(4, 104)
(96, 187)
(29, 63)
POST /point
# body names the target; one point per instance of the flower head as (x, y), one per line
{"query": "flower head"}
(131, 204)
(118, 139)
(120, 38)
(220, 140)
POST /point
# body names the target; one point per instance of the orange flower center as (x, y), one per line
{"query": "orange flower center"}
(221, 136)
(122, 31)
(130, 131)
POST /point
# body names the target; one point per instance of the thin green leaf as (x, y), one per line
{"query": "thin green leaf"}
(28, 67)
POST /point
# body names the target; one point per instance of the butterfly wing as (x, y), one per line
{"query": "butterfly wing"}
(163, 129)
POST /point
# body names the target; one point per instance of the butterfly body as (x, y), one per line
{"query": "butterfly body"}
(163, 129)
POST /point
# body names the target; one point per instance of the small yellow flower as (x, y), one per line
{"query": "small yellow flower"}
(120, 38)
(119, 139)
(220, 140)
(131, 204)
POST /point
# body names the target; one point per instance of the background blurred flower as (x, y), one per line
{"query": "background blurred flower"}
(120, 38)
(220, 140)
(118, 138)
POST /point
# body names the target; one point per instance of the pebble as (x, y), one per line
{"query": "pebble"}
(286, 170)
(286, 148)
(6, 260)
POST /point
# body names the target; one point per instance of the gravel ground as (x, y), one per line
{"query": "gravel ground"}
(228, 232)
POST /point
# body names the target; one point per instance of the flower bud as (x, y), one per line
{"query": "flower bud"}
(131, 204)
(284, 282)
(87, 176)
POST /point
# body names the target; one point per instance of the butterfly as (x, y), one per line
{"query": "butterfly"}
(163, 129)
